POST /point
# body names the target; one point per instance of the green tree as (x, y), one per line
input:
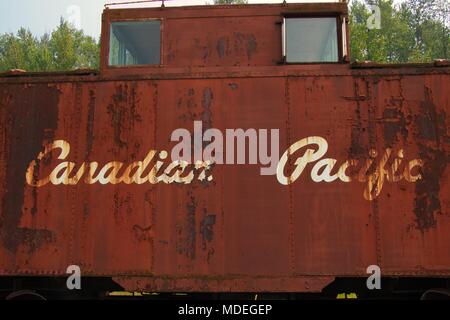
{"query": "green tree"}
(65, 49)
(44, 59)
(429, 20)
(393, 42)
(71, 49)
(358, 31)
(416, 31)
(19, 52)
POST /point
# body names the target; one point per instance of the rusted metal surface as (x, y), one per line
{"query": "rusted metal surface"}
(225, 36)
(241, 231)
(227, 284)
(17, 73)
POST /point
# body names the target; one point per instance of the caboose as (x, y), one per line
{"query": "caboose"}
(226, 149)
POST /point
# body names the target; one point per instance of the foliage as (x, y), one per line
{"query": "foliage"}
(415, 31)
(66, 48)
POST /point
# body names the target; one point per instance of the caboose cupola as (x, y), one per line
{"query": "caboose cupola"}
(224, 36)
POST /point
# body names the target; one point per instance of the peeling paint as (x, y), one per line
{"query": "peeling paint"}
(29, 127)
(433, 142)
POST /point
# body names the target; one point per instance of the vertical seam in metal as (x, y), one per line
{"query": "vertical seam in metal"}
(291, 206)
(74, 125)
(153, 215)
(372, 131)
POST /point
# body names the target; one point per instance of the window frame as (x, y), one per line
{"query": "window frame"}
(339, 33)
(135, 66)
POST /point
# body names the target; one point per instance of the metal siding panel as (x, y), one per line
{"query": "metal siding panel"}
(243, 226)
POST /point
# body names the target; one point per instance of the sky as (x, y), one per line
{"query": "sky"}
(41, 16)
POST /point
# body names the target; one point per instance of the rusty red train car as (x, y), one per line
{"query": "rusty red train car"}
(226, 149)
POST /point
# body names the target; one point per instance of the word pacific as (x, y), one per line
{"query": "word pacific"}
(372, 172)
